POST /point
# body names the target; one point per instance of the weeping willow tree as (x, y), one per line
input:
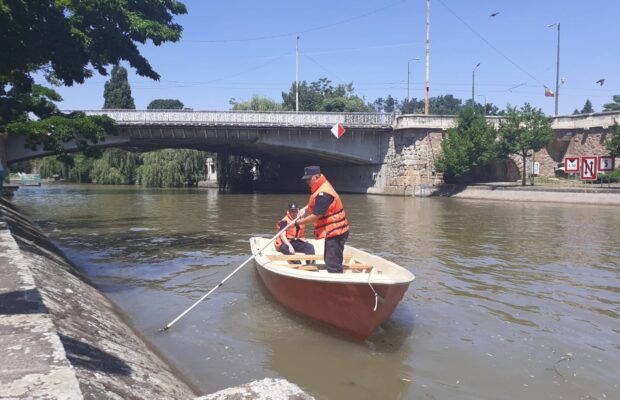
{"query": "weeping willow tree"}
(172, 168)
(77, 170)
(115, 167)
(235, 173)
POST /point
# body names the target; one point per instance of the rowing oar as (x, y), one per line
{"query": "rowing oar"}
(232, 273)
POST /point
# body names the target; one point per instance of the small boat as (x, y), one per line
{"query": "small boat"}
(355, 302)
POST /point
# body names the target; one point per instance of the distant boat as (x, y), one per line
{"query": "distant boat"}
(29, 179)
(355, 302)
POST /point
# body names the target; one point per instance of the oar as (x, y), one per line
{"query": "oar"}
(231, 274)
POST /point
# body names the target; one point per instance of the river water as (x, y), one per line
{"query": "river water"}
(511, 300)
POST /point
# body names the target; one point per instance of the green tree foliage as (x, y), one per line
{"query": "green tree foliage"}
(77, 170)
(257, 103)
(467, 147)
(117, 92)
(523, 132)
(613, 144)
(172, 168)
(116, 167)
(615, 106)
(165, 104)
(587, 108)
(445, 105)
(64, 41)
(322, 96)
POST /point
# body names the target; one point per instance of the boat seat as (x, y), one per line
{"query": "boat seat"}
(355, 267)
(300, 257)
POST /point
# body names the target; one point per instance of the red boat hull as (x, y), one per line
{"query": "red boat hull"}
(349, 307)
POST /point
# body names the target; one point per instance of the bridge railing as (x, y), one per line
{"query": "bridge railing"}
(249, 118)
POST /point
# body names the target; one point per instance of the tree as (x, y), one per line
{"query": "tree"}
(172, 168)
(523, 132)
(587, 108)
(117, 92)
(257, 103)
(615, 106)
(613, 144)
(165, 104)
(445, 105)
(467, 147)
(322, 96)
(64, 41)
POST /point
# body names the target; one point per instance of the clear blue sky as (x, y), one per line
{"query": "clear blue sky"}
(234, 49)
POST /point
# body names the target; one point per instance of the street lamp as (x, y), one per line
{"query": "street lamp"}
(473, 79)
(408, 74)
(557, 69)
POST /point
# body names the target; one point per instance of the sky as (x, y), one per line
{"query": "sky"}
(237, 49)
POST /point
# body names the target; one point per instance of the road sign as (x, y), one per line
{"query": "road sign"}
(571, 164)
(588, 168)
(338, 130)
(605, 163)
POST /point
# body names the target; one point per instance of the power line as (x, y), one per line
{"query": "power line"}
(314, 29)
(489, 43)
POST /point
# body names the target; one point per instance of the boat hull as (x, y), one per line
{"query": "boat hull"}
(349, 307)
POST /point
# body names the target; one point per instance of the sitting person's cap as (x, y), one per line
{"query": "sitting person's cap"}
(310, 171)
(293, 206)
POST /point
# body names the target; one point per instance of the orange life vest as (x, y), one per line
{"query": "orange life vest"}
(334, 222)
(292, 232)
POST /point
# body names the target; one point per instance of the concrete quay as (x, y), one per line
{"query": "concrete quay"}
(567, 195)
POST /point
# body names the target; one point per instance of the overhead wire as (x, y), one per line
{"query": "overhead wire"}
(289, 34)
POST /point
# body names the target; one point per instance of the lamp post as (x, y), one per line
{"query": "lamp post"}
(408, 74)
(473, 79)
(557, 69)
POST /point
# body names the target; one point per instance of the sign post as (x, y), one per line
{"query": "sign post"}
(588, 168)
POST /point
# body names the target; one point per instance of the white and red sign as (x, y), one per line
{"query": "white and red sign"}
(571, 164)
(588, 168)
(606, 163)
(338, 130)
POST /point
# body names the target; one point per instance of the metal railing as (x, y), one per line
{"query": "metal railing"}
(246, 118)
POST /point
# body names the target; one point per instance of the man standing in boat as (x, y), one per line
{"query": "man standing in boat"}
(293, 239)
(326, 212)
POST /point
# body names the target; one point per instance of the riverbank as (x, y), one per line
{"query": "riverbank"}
(510, 192)
(61, 338)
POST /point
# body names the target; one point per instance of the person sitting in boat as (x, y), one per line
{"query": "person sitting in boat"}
(292, 240)
(326, 212)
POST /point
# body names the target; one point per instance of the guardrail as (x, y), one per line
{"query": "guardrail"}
(247, 118)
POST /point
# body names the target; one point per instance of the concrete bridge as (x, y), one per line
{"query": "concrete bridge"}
(379, 153)
(281, 136)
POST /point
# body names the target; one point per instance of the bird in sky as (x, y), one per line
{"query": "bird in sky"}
(494, 14)
(601, 81)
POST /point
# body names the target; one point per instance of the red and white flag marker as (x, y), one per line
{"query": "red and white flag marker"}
(338, 130)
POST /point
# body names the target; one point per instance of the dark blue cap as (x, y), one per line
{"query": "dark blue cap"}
(310, 171)
(293, 206)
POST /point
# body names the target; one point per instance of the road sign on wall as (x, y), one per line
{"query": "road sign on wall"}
(571, 164)
(605, 163)
(588, 168)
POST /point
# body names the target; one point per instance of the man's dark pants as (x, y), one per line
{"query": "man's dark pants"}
(334, 247)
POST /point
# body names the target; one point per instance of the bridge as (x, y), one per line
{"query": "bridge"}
(282, 136)
(379, 153)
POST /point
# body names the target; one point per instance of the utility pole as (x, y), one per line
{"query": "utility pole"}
(473, 79)
(557, 69)
(297, 75)
(428, 53)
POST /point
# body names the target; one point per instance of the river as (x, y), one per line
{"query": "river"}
(511, 300)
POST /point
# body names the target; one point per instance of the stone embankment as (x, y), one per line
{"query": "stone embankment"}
(62, 339)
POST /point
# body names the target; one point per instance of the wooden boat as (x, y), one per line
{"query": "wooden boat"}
(355, 302)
